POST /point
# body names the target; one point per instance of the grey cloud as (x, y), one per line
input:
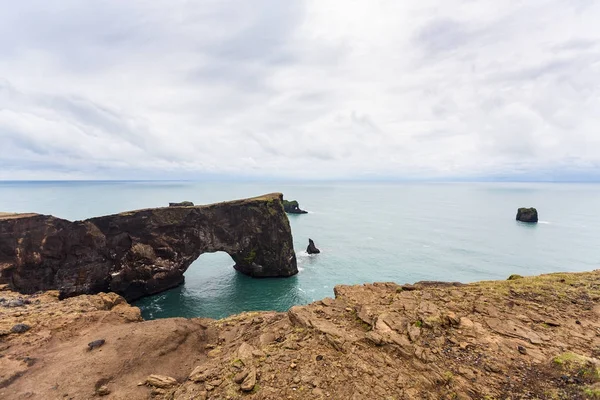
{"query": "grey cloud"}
(576, 44)
(444, 34)
(305, 88)
(551, 68)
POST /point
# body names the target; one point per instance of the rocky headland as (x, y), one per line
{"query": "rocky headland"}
(143, 252)
(524, 338)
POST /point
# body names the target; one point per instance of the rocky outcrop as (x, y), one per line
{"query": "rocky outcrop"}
(312, 249)
(530, 338)
(527, 215)
(292, 207)
(143, 252)
(182, 204)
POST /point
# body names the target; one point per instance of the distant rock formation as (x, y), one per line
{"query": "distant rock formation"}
(312, 249)
(527, 215)
(292, 207)
(143, 252)
(182, 204)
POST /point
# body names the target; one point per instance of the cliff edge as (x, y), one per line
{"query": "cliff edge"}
(143, 252)
(533, 337)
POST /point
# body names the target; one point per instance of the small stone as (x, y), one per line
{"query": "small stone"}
(20, 328)
(452, 319)
(16, 303)
(250, 381)
(259, 353)
(161, 381)
(267, 338)
(293, 365)
(216, 382)
(103, 390)
(95, 344)
(578, 322)
(522, 349)
(319, 357)
(240, 376)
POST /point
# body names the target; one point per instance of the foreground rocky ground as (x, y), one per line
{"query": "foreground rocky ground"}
(528, 338)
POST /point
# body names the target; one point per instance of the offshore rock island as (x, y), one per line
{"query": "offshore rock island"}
(143, 252)
(527, 338)
(292, 207)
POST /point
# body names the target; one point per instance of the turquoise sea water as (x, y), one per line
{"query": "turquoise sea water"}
(402, 232)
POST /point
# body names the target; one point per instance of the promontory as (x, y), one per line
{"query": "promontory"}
(143, 252)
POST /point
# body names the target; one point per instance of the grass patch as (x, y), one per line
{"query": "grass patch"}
(581, 366)
(592, 393)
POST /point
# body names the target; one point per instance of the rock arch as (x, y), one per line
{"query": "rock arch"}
(143, 252)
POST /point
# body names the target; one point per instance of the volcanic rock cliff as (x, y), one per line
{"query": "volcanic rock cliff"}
(143, 252)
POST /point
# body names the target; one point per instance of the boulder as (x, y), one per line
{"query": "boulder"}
(527, 215)
(312, 249)
(182, 204)
(292, 207)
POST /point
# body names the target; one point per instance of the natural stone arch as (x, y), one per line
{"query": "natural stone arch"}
(143, 252)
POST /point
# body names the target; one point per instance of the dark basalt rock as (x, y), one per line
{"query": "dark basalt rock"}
(20, 328)
(95, 344)
(527, 215)
(182, 204)
(292, 207)
(312, 249)
(143, 252)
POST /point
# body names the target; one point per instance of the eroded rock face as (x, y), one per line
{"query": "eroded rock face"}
(292, 207)
(143, 252)
(312, 249)
(527, 215)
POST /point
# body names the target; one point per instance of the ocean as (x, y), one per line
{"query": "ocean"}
(367, 232)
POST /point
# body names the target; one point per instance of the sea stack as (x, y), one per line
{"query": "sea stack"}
(312, 249)
(527, 215)
(292, 207)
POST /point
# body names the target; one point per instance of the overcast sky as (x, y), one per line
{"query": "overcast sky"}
(409, 89)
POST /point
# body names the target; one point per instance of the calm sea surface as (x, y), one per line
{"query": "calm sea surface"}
(402, 232)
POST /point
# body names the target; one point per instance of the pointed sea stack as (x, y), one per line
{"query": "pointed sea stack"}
(312, 249)
(527, 215)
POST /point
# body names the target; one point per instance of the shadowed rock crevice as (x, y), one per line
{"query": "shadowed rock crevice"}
(143, 252)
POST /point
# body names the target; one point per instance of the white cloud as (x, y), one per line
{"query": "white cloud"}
(314, 88)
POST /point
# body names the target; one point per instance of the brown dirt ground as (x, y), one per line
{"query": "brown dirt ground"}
(529, 338)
